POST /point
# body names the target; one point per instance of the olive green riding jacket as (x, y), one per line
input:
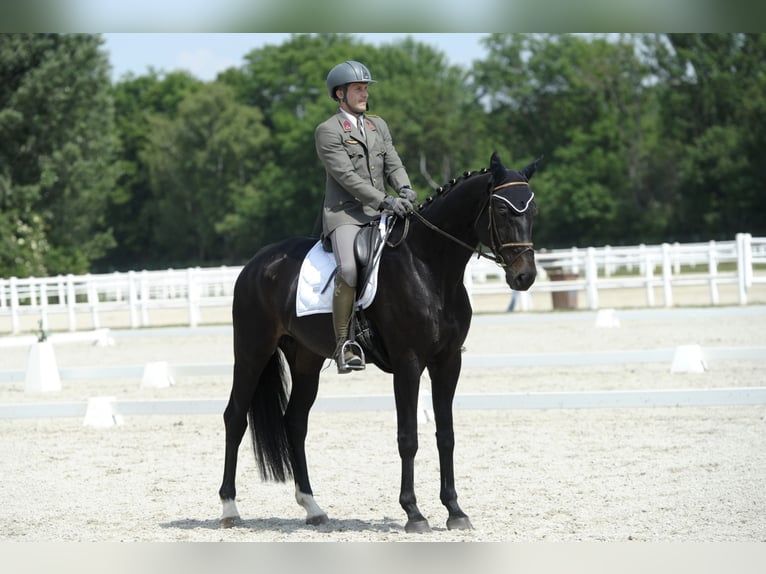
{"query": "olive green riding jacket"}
(357, 168)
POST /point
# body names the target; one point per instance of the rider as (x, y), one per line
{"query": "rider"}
(359, 158)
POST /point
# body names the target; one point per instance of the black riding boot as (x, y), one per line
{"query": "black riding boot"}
(348, 354)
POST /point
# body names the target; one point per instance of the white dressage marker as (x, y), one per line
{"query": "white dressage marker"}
(42, 371)
(607, 318)
(157, 375)
(688, 359)
(100, 413)
(425, 410)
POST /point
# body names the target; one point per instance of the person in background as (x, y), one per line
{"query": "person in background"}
(360, 160)
(512, 304)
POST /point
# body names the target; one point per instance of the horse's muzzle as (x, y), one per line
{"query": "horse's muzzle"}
(522, 273)
(521, 281)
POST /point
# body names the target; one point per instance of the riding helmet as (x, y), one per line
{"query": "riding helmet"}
(348, 72)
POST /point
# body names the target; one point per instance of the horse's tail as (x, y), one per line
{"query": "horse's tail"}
(267, 423)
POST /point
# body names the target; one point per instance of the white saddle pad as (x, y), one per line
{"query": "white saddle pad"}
(316, 269)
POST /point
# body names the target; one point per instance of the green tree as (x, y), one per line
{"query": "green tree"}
(711, 91)
(57, 165)
(130, 212)
(581, 102)
(203, 166)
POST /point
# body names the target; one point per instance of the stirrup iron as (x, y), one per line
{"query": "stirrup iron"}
(357, 353)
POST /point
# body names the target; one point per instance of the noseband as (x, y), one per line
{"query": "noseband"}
(496, 246)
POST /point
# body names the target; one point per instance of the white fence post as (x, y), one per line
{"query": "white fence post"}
(144, 299)
(14, 305)
(747, 241)
(647, 263)
(712, 263)
(591, 278)
(193, 296)
(133, 299)
(93, 300)
(61, 290)
(741, 269)
(70, 302)
(32, 294)
(575, 260)
(676, 252)
(44, 325)
(667, 275)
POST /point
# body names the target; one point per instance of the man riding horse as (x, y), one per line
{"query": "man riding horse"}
(360, 159)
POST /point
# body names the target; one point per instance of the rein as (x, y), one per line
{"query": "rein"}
(495, 250)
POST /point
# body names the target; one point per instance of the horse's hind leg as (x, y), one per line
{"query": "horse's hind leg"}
(252, 352)
(444, 379)
(235, 421)
(304, 368)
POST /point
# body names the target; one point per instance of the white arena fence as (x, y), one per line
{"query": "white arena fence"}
(665, 266)
(566, 271)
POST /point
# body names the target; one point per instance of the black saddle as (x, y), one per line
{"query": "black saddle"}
(366, 245)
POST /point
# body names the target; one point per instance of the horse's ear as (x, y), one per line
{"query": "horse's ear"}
(529, 171)
(495, 164)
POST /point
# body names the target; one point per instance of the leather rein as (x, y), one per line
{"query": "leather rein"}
(496, 246)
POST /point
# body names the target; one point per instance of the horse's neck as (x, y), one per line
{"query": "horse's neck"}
(454, 212)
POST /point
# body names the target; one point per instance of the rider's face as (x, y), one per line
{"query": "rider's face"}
(356, 98)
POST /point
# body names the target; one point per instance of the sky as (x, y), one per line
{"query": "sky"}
(206, 54)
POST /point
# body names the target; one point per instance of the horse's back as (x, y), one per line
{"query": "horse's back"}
(270, 277)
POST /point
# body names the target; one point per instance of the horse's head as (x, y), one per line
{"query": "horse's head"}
(509, 214)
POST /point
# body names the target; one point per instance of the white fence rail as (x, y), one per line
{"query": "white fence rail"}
(564, 271)
(665, 266)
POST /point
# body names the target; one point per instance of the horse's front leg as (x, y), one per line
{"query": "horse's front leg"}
(304, 367)
(406, 396)
(444, 378)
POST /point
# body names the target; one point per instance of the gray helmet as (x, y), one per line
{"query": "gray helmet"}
(346, 73)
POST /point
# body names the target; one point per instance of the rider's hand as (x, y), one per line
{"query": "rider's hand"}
(409, 194)
(398, 205)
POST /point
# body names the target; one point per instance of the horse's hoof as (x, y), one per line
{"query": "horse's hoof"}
(229, 521)
(417, 526)
(459, 523)
(317, 520)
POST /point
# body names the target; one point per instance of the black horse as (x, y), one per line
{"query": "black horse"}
(420, 318)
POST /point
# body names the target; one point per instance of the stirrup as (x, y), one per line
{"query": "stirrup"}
(355, 362)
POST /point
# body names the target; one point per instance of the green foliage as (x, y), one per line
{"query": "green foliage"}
(130, 212)
(200, 162)
(645, 138)
(57, 162)
(712, 104)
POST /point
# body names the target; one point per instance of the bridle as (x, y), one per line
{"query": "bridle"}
(495, 244)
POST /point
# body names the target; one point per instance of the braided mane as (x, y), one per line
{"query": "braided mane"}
(450, 185)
